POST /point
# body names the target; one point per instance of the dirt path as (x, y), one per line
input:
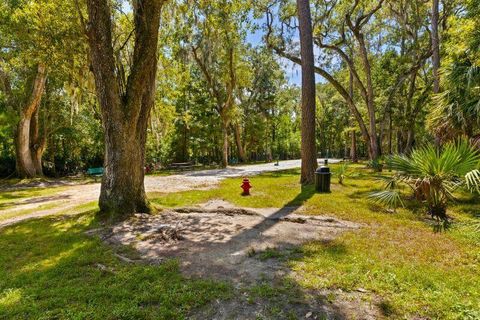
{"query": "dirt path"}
(77, 194)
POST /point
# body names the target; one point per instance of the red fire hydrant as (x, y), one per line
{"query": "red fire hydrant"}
(246, 186)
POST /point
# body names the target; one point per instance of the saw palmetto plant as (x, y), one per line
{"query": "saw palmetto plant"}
(434, 176)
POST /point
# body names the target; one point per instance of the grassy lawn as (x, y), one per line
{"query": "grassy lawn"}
(396, 256)
(78, 209)
(275, 189)
(50, 269)
(19, 213)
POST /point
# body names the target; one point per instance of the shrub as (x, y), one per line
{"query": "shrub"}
(434, 175)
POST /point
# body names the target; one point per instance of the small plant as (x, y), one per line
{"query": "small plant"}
(342, 173)
(375, 164)
(434, 175)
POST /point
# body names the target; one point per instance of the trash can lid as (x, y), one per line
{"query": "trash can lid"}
(323, 169)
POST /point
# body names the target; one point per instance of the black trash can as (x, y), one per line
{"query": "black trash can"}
(322, 179)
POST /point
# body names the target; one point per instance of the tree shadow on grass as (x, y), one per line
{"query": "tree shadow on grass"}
(49, 268)
(283, 297)
(306, 192)
(276, 295)
(38, 200)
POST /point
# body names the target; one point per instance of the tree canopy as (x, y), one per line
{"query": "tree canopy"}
(226, 86)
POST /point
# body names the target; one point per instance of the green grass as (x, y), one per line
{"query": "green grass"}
(398, 257)
(49, 269)
(18, 213)
(269, 190)
(73, 210)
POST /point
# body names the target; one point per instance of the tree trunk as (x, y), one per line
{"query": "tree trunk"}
(410, 140)
(436, 56)
(122, 190)
(24, 162)
(224, 141)
(374, 148)
(353, 148)
(345, 147)
(37, 143)
(269, 156)
(37, 156)
(308, 148)
(390, 134)
(238, 141)
(435, 46)
(399, 141)
(125, 110)
(26, 166)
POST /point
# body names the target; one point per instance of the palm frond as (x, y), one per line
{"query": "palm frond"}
(472, 179)
(390, 198)
(467, 156)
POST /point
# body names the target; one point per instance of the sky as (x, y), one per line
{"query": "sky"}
(292, 70)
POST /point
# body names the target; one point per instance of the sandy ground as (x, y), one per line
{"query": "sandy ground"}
(74, 194)
(219, 241)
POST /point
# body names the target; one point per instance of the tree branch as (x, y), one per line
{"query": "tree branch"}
(337, 85)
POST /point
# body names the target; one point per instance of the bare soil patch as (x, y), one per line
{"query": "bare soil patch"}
(220, 243)
(244, 247)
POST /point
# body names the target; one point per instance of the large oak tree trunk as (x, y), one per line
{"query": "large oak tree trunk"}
(125, 110)
(122, 189)
(308, 148)
(28, 155)
(24, 162)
